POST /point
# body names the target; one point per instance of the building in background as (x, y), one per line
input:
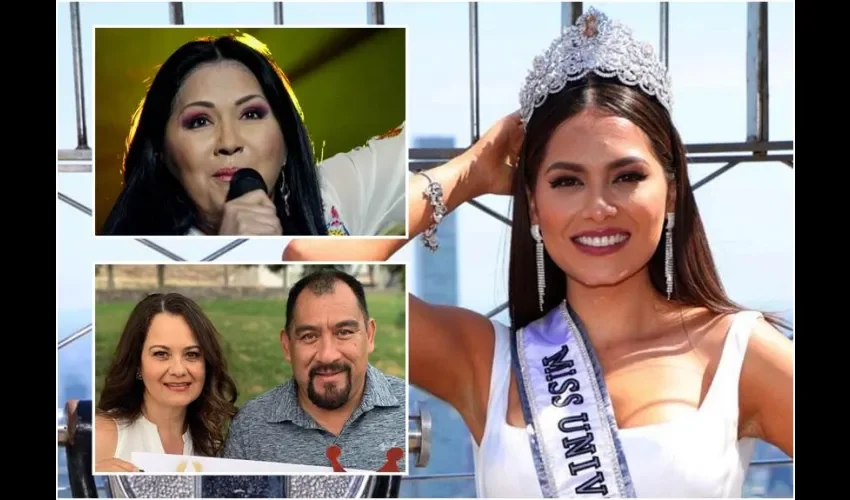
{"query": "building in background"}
(709, 112)
(436, 281)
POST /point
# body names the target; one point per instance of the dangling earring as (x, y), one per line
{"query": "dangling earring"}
(138, 375)
(541, 277)
(284, 189)
(668, 253)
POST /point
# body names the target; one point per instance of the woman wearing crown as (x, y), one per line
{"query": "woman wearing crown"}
(626, 370)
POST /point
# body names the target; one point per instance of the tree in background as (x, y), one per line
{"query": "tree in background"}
(110, 274)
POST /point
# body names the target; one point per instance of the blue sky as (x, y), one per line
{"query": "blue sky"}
(748, 212)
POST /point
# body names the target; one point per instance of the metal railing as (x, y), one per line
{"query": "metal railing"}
(756, 148)
(74, 433)
(419, 444)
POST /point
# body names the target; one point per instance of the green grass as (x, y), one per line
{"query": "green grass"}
(250, 331)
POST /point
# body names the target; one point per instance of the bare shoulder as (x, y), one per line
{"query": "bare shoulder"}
(767, 349)
(769, 357)
(105, 425)
(765, 335)
(767, 387)
(707, 332)
(106, 437)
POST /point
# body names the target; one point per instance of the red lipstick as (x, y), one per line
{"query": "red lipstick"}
(604, 241)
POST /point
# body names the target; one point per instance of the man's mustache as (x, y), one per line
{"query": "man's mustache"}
(329, 368)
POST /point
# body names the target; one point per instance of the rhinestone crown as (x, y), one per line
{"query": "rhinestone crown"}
(595, 44)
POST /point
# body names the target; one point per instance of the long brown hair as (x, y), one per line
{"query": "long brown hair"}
(123, 393)
(696, 282)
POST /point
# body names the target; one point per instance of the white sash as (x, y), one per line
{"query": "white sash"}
(572, 428)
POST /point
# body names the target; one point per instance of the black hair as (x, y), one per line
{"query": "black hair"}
(321, 282)
(153, 202)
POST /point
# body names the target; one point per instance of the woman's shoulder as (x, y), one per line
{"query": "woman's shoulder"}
(106, 430)
(706, 330)
(393, 141)
(105, 424)
(500, 328)
(363, 189)
(726, 341)
(721, 327)
(386, 144)
(113, 424)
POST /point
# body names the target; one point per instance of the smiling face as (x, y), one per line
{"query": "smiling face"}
(328, 344)
(220, 122)
(600, 198)
(172, 365)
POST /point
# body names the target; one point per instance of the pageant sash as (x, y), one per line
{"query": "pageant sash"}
(572, 429)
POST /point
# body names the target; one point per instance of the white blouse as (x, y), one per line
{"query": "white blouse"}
(142, 435)
(364, 189)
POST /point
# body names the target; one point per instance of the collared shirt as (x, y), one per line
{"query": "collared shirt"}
(274, 428)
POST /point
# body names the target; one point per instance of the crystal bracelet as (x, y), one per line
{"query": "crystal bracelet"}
(434, 194)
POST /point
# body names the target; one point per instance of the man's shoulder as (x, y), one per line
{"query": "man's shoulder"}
(396, 385)
(258, 409)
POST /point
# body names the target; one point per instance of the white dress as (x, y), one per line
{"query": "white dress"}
(363, 190)
(141, 435)
(698, 456)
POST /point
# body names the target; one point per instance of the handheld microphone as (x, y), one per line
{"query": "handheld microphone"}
(244, 181)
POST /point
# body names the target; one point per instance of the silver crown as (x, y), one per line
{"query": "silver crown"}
(595, 44)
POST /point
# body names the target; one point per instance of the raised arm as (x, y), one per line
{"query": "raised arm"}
(457, 188)
(484, 168)
(451, 349)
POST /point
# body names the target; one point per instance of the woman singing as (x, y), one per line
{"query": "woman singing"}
(220, 105)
